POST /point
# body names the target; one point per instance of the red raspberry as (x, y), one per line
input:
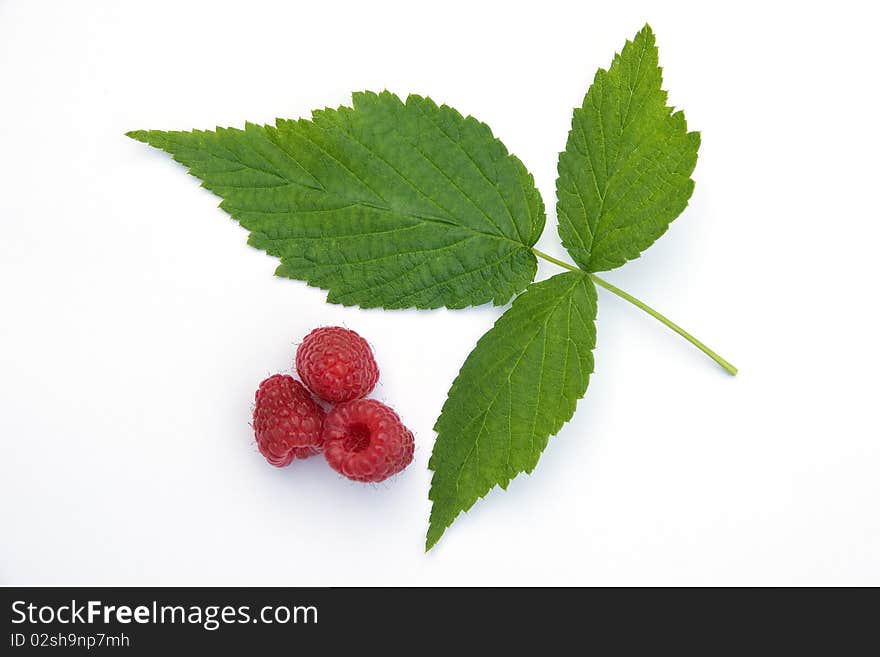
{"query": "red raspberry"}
(364, 440)
(287, 421)
(336, 364)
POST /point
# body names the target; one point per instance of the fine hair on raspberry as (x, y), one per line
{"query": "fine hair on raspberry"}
(336, 364)
(365, 440)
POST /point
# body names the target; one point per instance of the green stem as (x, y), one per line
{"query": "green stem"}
(640, 304)
(550, 258)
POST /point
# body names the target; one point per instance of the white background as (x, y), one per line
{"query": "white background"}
(135, 323)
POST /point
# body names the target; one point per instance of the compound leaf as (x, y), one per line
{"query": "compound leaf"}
(384, 204)
(625, 172)
(517, 387)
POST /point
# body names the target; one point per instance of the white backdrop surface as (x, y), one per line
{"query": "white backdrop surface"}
(135, 323)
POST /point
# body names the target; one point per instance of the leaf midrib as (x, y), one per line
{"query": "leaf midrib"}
(385, 208)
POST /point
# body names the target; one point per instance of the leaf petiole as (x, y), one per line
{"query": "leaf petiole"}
(728, 367)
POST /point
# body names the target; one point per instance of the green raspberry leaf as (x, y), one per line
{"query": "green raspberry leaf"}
(518, 386)
(625, 172)
(385, 204)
